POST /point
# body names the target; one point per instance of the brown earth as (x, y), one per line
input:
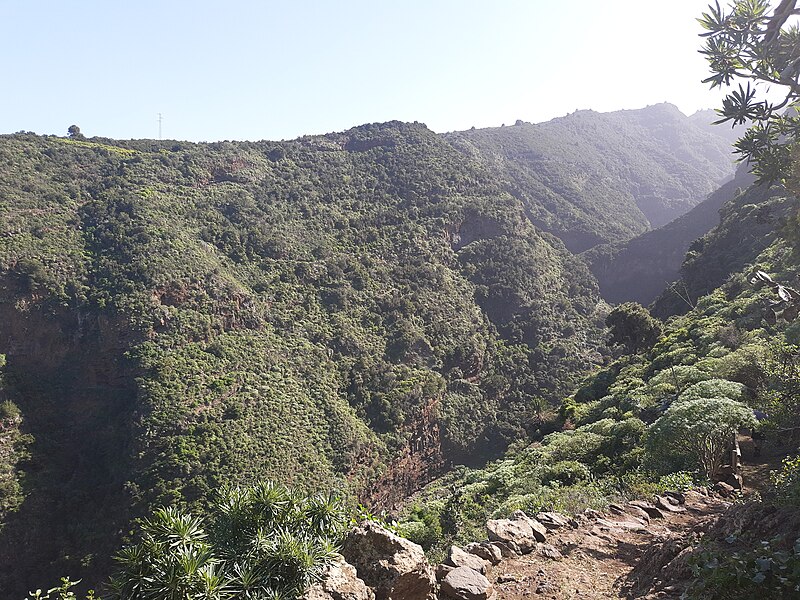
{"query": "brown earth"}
(600, 554)
(602, 558)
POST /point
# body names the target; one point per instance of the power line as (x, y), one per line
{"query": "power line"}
(160, 119)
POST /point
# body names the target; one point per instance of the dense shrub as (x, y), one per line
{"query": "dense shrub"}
(696, 433)
(264, 541)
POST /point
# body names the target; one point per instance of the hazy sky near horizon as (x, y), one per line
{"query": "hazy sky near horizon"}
(277, 70)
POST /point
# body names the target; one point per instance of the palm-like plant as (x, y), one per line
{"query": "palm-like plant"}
(174, 561)
(265, 542)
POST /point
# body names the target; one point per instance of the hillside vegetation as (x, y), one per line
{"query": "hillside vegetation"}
(591, 178)
(178, 316)
(640, 269)
(662, 415)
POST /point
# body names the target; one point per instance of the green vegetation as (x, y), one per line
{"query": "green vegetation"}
(591, 178)
(695, 432)
(770, 568)
(660, 417)
(744, 564)
(222, 313)
(639, 269)
(264, 541)
(749, 42)
(632, 327)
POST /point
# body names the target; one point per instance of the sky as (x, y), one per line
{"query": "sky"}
(251, 70)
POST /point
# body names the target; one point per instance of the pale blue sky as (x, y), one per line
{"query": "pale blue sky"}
(272, 70)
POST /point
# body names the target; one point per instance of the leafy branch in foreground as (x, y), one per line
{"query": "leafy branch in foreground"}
(748, 46)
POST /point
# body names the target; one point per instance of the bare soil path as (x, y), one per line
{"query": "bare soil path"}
(598, 557)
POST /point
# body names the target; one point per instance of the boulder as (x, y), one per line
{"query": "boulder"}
(485, 550)
(539, 530)
(515, 532)
(650, 509)
(464, 583)
(552, 520)
(393, 567)
(507, 549)
(678, 497)
(638, 513)
(459, 558)
(591, 514)
(663, 503)
(339, 582)
(723, 489)
(442, 570)
(616, 509)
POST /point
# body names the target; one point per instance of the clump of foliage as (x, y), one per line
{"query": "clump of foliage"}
(63, 591)
(749, 43)
(264, 541)
(632, 327)
(695, 433)
(14, 449)
(786, 481)
(767, 569)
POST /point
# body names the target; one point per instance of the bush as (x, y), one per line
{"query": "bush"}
(786, 482)
(696, 433)
(62, 592)
(262, 541)
(763, 570)
(714, 388)
(9, 410)
(565, 472)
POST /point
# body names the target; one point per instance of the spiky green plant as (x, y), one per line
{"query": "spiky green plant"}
(263, 542)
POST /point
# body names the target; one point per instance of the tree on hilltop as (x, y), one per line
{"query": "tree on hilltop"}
(75, 132)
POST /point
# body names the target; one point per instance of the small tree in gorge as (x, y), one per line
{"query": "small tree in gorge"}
(632, 327)
(696, 433)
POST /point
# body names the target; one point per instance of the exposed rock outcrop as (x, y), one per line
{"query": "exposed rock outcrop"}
(395, 568)
(339, 582)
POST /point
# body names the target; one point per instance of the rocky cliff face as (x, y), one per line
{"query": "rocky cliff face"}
(420, 461)
(75, 390)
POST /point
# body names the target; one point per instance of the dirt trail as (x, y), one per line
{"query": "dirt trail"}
(599, 555)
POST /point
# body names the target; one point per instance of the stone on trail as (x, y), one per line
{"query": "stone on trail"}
(549, 551)
(464, 583)
(723, 489)
(515, 532)
(507, 549)
(485, 550)
(663, 503)
(459, 558)
(539, 530)
(650, 509)
(629, 525)
(552, 520)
